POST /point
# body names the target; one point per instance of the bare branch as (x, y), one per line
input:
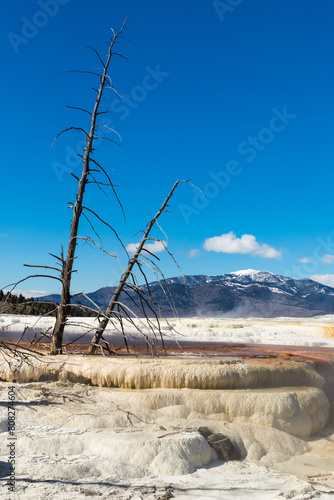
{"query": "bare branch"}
(128, 39)
(111, 184)
(96, 52)
(111, 129)
(111, 87)
(91, 225)
(80, 109)
(67, 130)
(14, 285)
(75, 177)
(97, 183)
(105, 223)
(106, 139)
(98, 246)
(45, 267)
(120, 55)
(80, 71)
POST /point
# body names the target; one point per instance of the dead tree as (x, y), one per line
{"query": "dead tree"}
(90, 169)
(118, 311)
(66, 270)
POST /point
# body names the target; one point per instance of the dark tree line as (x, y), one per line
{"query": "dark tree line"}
(18, 304)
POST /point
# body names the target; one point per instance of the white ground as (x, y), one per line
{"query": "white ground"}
(317, 331)
(79, 442)
(75, 441)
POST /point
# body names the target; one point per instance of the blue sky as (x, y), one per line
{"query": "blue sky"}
(235, 95)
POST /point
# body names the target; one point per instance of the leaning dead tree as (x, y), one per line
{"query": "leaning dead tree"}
(119, 311)
(89, 168)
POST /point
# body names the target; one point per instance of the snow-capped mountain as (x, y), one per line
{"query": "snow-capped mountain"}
(238, 294)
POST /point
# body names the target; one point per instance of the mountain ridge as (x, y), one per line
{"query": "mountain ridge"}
(245, 293)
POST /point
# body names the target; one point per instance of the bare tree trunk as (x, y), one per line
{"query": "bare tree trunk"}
(114, 300)
(67, 269)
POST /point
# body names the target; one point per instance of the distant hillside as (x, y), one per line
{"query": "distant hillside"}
(240, 294)
(17, 304)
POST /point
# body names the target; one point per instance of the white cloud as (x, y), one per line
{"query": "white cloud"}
(247, 244)
(193, 253)
(304, 260)
(324, 279)
(30, 293)
(155, 247)
(328, 259)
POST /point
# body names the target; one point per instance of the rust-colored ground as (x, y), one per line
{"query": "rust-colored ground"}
(208, 349)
